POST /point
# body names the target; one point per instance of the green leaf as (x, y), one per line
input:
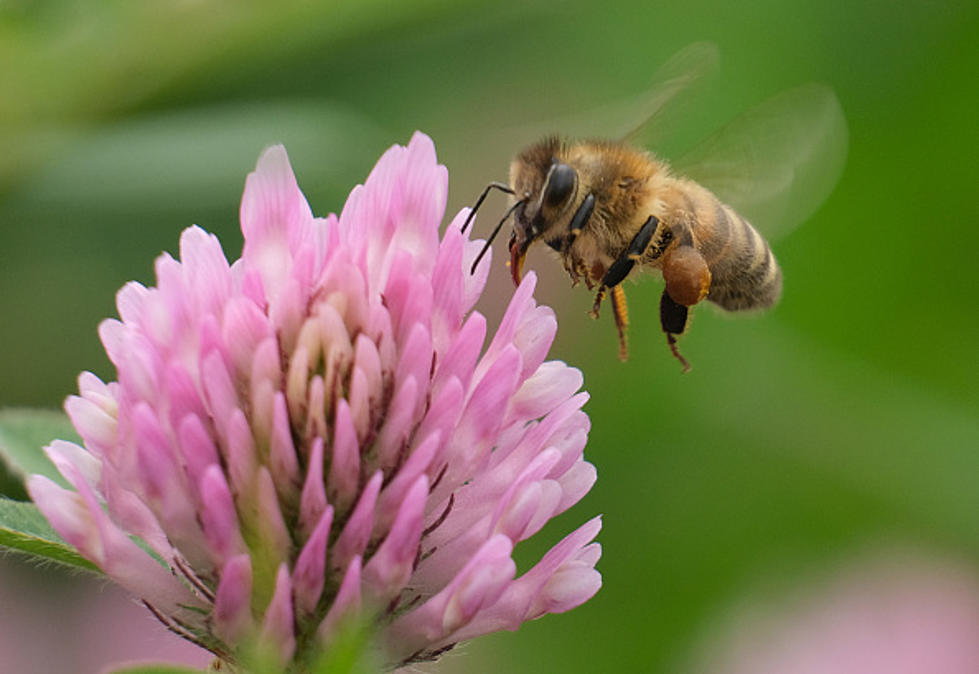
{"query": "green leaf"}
(23, 528)
(161, 668)
(23, 434)
(202, 155)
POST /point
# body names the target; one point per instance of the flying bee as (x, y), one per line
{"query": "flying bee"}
(608, 207)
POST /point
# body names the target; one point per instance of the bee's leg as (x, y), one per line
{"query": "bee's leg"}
(599, 296)
(687, 278)
(621, 313)
(627, 260)
(580, 218)
(673, 318)
(623, 264)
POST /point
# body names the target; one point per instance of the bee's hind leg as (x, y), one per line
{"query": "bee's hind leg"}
(673, 318)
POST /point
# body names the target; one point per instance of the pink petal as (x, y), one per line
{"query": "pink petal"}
(196, 447)
(416, 362)
(218, 517)
(481, 419)
(406, 291)
(206, 267)
(232, 602)
(68, 457)
(575, 484)
(242, 464)
(521, 303)
(272, 530)
(346, 605)
(392, 442)
(341, 486)
(243, 328)
(219, 389)
(534, 337)
(552, 384)
(278, 630)
(283, 462)
(531, 595)
(357, 532)
(390, 567)
(575, 582)
(131, 302)
(478, 584)
(473, 283)
(442, 417)
(80, 520)
(447, 310)
(287, 311)
(266, 381)
(96, 426)
(274, 213)
(309, 574)
(312, 503)
(68, 515)
(368, 361)
(183, 395)
(394, 493)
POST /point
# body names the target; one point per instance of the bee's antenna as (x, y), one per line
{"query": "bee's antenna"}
(503, 187)
(496, 230)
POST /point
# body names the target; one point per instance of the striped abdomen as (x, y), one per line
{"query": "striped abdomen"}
(744, 273)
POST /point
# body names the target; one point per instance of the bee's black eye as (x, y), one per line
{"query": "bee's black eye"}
(560, 183)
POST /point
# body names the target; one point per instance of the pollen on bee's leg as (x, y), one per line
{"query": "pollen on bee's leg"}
(687, 276)
(621, 312)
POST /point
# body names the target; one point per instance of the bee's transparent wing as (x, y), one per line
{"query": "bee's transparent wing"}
(776, 163)
(639, 119)
(658, 108)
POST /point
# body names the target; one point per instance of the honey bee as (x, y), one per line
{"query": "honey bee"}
(608, 208)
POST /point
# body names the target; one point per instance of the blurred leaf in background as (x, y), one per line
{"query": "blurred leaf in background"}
(847, 416)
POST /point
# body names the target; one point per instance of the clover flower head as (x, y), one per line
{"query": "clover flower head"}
(319, 431)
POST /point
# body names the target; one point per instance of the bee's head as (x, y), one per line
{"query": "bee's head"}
(544, 187)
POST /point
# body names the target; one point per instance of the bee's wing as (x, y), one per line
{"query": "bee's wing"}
(659, 107)
(776, 163)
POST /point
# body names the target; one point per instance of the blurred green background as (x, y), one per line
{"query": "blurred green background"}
(845, 419)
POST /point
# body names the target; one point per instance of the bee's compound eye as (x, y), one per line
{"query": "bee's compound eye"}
(560, 184)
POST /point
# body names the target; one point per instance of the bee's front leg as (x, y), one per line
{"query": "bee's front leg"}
(576, 269)
(574, 265)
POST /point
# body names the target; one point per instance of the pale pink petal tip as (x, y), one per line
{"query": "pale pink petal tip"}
(320, 431)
